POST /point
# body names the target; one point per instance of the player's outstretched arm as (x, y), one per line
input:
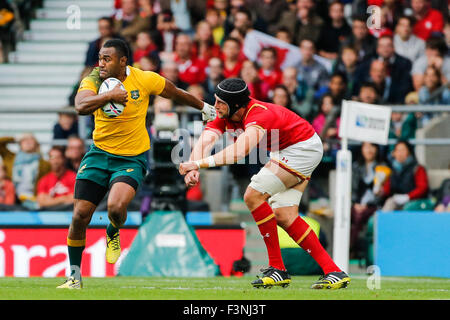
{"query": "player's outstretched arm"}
(87, 101)
(182, 97)
(231, 154)
(201, 150)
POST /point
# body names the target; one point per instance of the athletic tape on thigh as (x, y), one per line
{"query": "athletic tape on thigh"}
(265, 181)
(288, 198)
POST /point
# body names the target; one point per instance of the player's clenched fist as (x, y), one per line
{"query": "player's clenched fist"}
(118, 95)
(185, 167)
(191, 178)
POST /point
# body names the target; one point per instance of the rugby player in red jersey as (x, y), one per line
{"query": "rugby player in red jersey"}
(274, 194)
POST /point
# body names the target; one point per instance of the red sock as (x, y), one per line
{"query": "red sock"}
(265, 220)
(302, 233)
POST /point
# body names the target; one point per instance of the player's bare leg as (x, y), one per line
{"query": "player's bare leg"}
(120, 195)
(76, 241)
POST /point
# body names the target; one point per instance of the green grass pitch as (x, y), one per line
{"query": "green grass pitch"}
(220, 288)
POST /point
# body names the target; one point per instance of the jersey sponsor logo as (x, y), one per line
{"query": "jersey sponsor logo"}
(82, 169)
(135, 94)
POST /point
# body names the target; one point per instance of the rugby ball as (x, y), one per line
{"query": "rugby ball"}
(111, 109)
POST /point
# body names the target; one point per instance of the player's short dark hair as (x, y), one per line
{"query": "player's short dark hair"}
(359, 17)
(121, 47)
(341, 75)
(108, 19)
(247, 12)
(60, 149)
(368, 84)
(270, 49)
(411, 19)
(233, 39)
(437, 43)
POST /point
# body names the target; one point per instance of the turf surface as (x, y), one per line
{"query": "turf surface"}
(220, 288)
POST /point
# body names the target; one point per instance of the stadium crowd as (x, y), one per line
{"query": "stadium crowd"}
(400, 57)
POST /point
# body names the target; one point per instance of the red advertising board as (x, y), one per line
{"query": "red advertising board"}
(43, 252)
(223, 245)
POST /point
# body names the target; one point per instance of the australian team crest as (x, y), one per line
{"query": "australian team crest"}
(134, 94)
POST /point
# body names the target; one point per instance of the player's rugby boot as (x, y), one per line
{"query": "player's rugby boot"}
(71, 283)
(272, 277)
(113, 248)
(332, 280)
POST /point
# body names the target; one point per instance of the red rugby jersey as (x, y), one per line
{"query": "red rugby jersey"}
(283, 126)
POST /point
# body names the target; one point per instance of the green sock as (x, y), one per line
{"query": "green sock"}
(75, 249)
(111, 230)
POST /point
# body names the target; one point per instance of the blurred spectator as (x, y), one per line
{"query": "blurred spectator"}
(392, 10)
(360, 38)
(284, 35)
(231, 61)
(337, 88)
(428, 20)
(55, 189)
(214, 76)
(326, 105)
(432, 93)
(215, 20)
(392, 86)
(67, 124)
(241, 20)
(190, 69)
(168, 29)
(435, 55)
(26, 167)
(364, 200)
(187, 13)
(150, 63)
(144, 46)
(268, 12)
(326, 124)
(147, 11)
(347, 64)
(311, 73)
(7, 191)
(408, 180)
(334, 33)
(403, 126)
(397, 68)
(249, 73)
(383, 29)
(406, 44)
(197, 91)
(281, 96)
(74, 152)
(204, 47)
(7, 37)
(269, 72)
(368, 93)
(162, 105)
(447, 37)
(169, 70)
(301, 97)
(128, 22)
(106, 32)
(302, 22)
(443, 197)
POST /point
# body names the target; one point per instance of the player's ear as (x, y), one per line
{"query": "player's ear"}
(123, 61)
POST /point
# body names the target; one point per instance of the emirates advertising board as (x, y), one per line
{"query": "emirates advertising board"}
(42, 252)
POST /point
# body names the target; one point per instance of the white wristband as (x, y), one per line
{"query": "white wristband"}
(197, 163)
(211, 162)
